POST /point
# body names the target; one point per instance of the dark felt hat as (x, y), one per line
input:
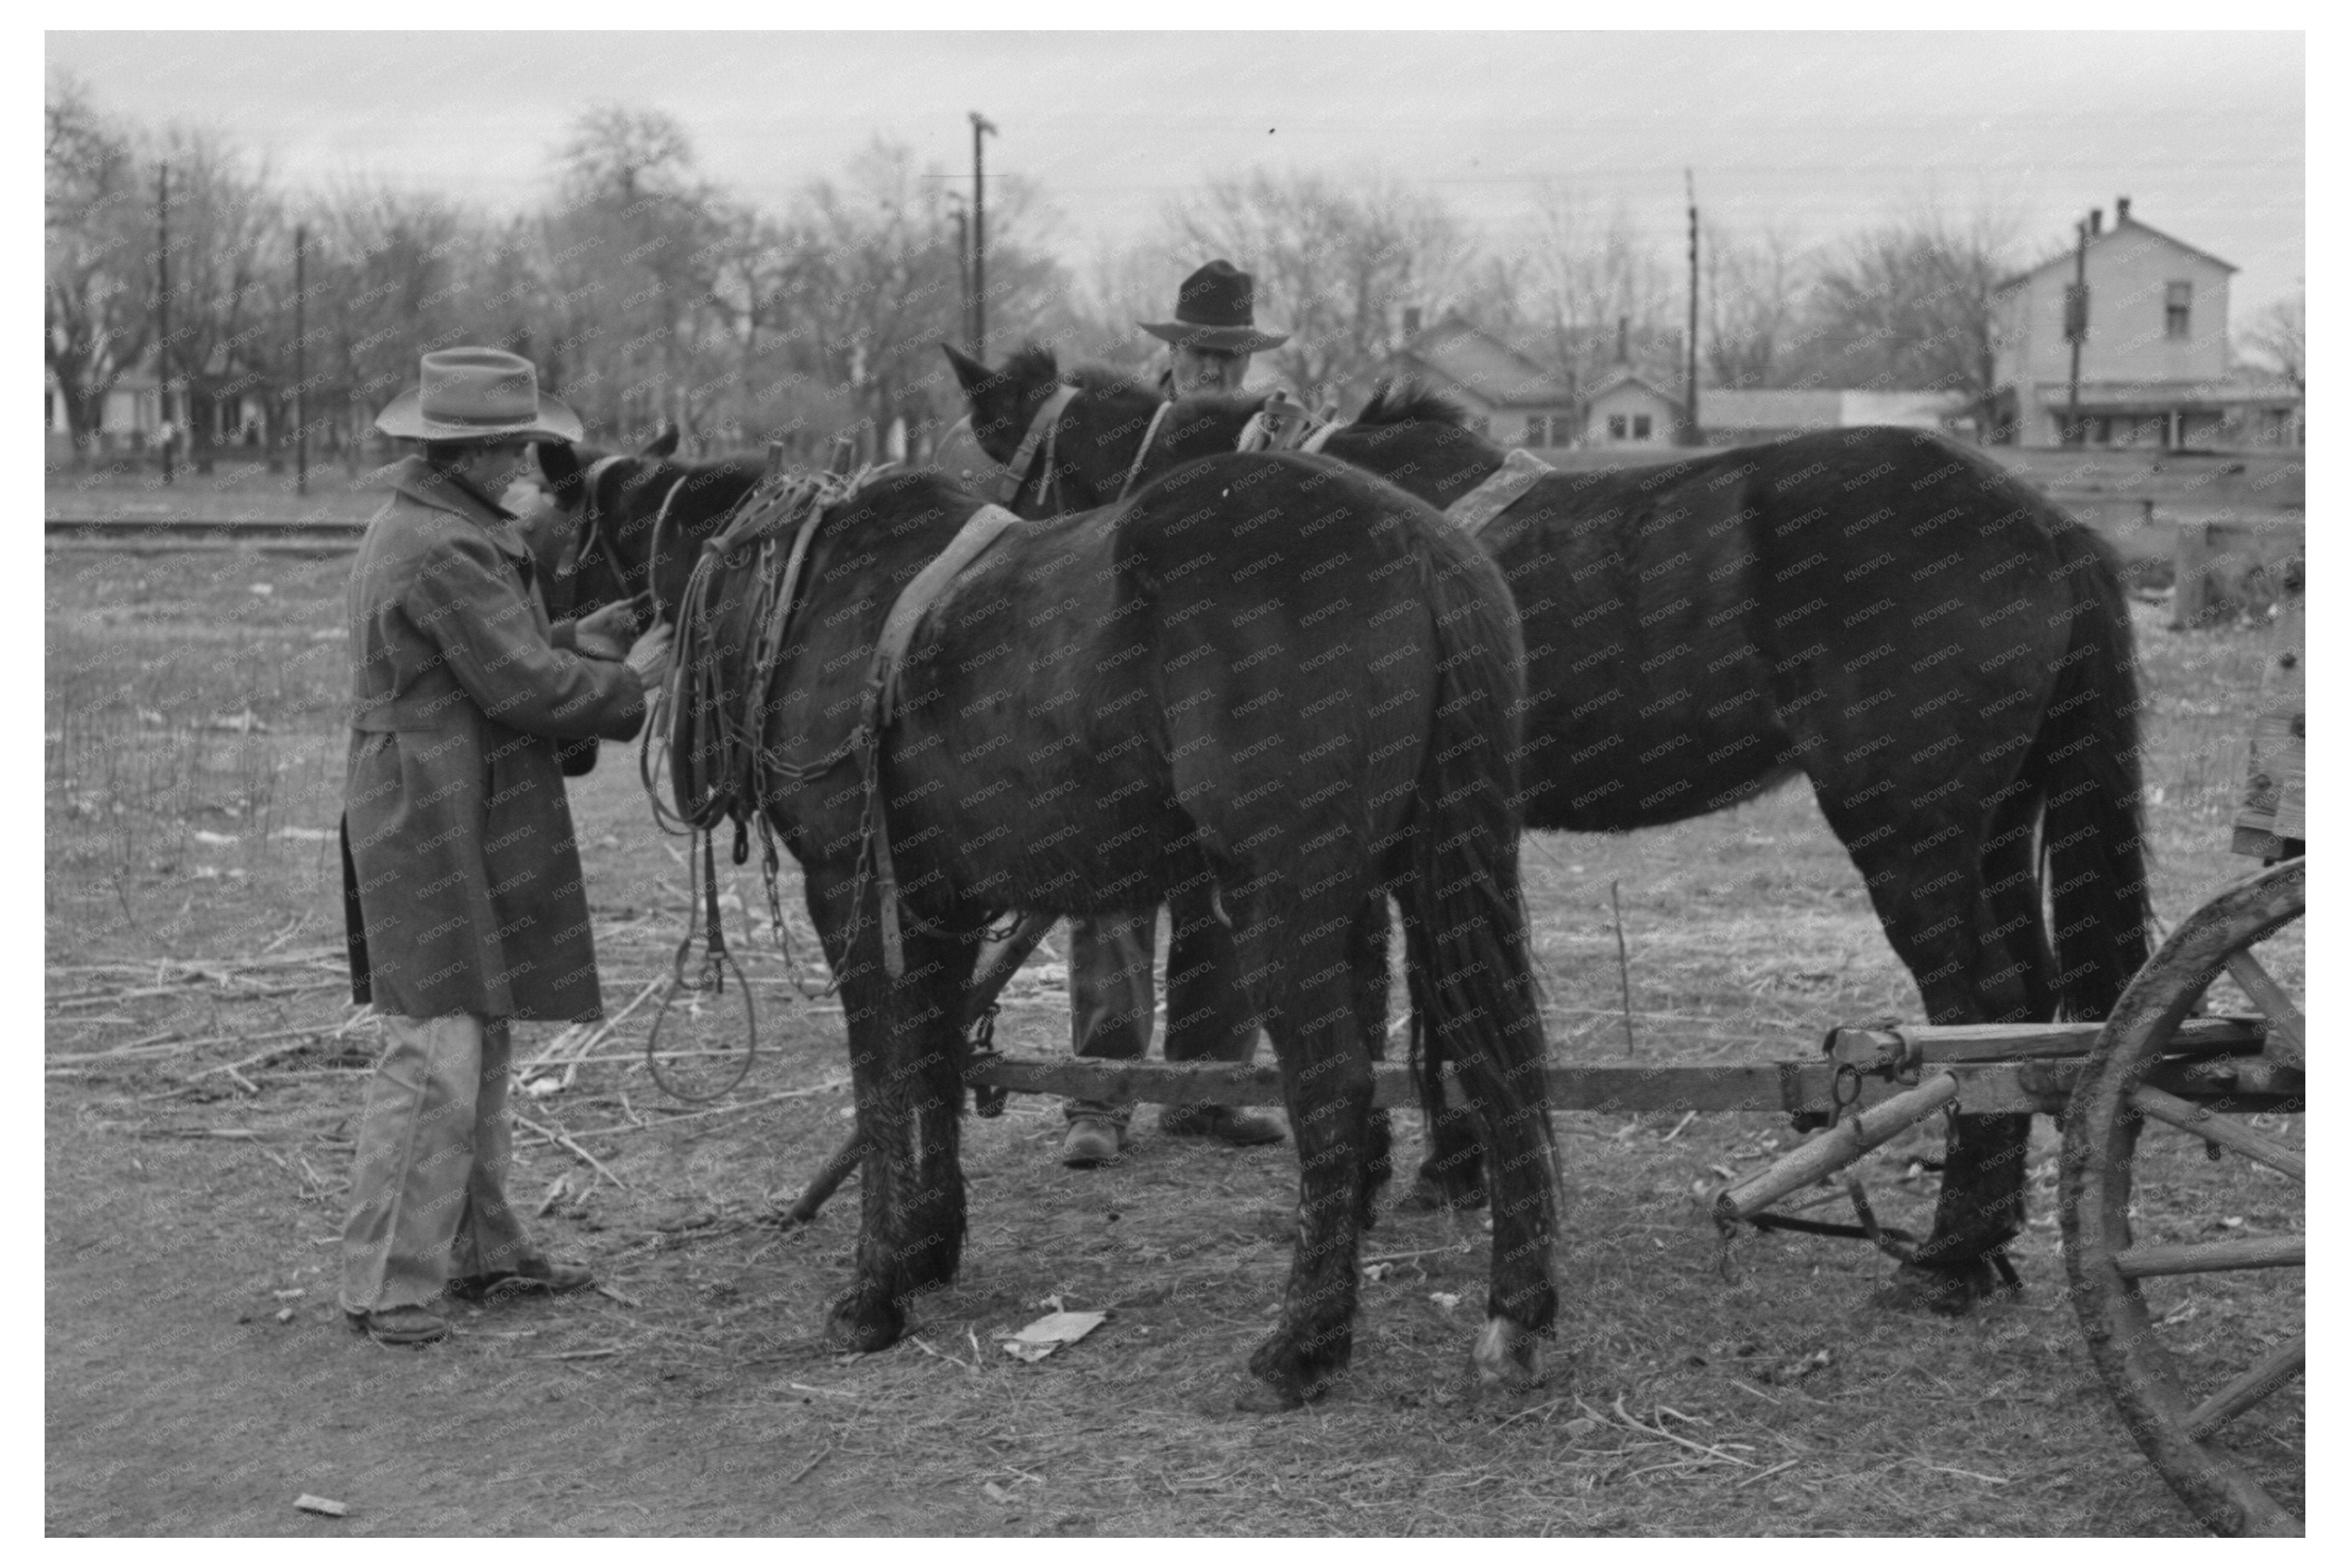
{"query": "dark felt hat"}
(1216, 309)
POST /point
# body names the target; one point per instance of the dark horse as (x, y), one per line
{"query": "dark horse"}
(1945, 654)
(1098, 710)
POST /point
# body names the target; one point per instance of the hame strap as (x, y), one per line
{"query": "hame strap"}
(1502, 489)
(1046, 424)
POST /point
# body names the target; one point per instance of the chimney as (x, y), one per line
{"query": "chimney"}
(2096, 220)
(2121, 210)
(1411, 320)
(1623, 340)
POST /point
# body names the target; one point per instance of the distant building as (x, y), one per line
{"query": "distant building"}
(1740, 416)
(2156, 370)
(130, 415)
(1627, 409)
(1509, 399)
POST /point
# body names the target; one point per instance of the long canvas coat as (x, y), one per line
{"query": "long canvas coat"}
(460, 878)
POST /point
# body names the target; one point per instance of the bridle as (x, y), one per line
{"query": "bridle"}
(591, 533)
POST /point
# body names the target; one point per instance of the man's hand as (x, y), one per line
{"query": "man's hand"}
(650, 656)
(606, 634)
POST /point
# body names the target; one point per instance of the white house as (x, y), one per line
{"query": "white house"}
(2155, 365)
(1509, 397)
(1627, 409)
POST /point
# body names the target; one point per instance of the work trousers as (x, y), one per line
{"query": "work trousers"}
(1209, 1018)
(428, 1179)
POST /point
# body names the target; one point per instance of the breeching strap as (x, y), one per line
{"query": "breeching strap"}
(979, 530)
(1502, 489)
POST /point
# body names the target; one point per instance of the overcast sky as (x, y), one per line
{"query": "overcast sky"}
(1816, 132)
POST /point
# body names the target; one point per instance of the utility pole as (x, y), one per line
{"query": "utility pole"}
(2076, 329)
(301, 430)
(979, 126)
(961, 210)
(1688, 419)
(163, 310)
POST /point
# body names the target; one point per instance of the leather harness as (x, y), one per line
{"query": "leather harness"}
(1502, 489)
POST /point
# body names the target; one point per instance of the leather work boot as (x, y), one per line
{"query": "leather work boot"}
(1091, 1141)
(401, 1325)
(1241, 1125)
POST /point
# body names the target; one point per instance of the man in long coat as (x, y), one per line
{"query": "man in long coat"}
(463, 892)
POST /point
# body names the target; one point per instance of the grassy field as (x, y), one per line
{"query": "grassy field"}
(205, 1070)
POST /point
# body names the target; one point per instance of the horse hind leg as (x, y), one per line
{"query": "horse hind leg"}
(1981, 1207)
(1451, 1174)
(1368, 953)
(1930, 880)
(1305, 993)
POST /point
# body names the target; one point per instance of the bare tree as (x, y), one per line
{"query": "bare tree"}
(1907, 305)
(635, 253)
(1335, 265)
(1753, 292)
(98, 287)
(2279, 336)
(1576, 290)
(230, 269)
(387, 271)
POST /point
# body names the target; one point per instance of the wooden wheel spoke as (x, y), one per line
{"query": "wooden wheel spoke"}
(2287, 1030)
(2264, 1378)
(2211, 1257)
(2214, 1127)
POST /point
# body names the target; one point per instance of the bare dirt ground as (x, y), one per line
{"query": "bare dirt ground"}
(199, 1377)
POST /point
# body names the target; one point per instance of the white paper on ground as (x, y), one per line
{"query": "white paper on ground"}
(1051, 1332)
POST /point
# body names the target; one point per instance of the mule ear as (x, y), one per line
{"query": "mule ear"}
(559, 462)
(994, 403)
(664, 445)
(968, 370)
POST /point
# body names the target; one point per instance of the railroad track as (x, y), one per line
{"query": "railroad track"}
(134, 531)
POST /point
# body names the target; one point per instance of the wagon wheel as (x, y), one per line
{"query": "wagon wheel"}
(2202, 1290)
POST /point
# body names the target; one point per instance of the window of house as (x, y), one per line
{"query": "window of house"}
(1639, 426)
(1615, 426)
(1537, 431)
(2177, 299)
(1481, 425)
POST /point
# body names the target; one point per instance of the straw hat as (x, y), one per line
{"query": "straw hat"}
(477, 394)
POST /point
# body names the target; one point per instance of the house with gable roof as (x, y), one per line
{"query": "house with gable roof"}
(1509, 397)
(2156, 370)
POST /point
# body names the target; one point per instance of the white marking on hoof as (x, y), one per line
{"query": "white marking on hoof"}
(1507, 1355)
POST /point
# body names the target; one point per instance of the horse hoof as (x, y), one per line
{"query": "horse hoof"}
(1264, 1399)
(1299, 1375)
(1507, 1356)
(865, 1327)
(1942, 1293)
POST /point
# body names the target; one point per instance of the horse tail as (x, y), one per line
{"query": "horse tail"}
(2086, 760)
(1467, 961)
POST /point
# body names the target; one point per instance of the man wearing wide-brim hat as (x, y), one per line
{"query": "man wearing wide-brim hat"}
(461, 889)
(1215, 332)
(1212, 337)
